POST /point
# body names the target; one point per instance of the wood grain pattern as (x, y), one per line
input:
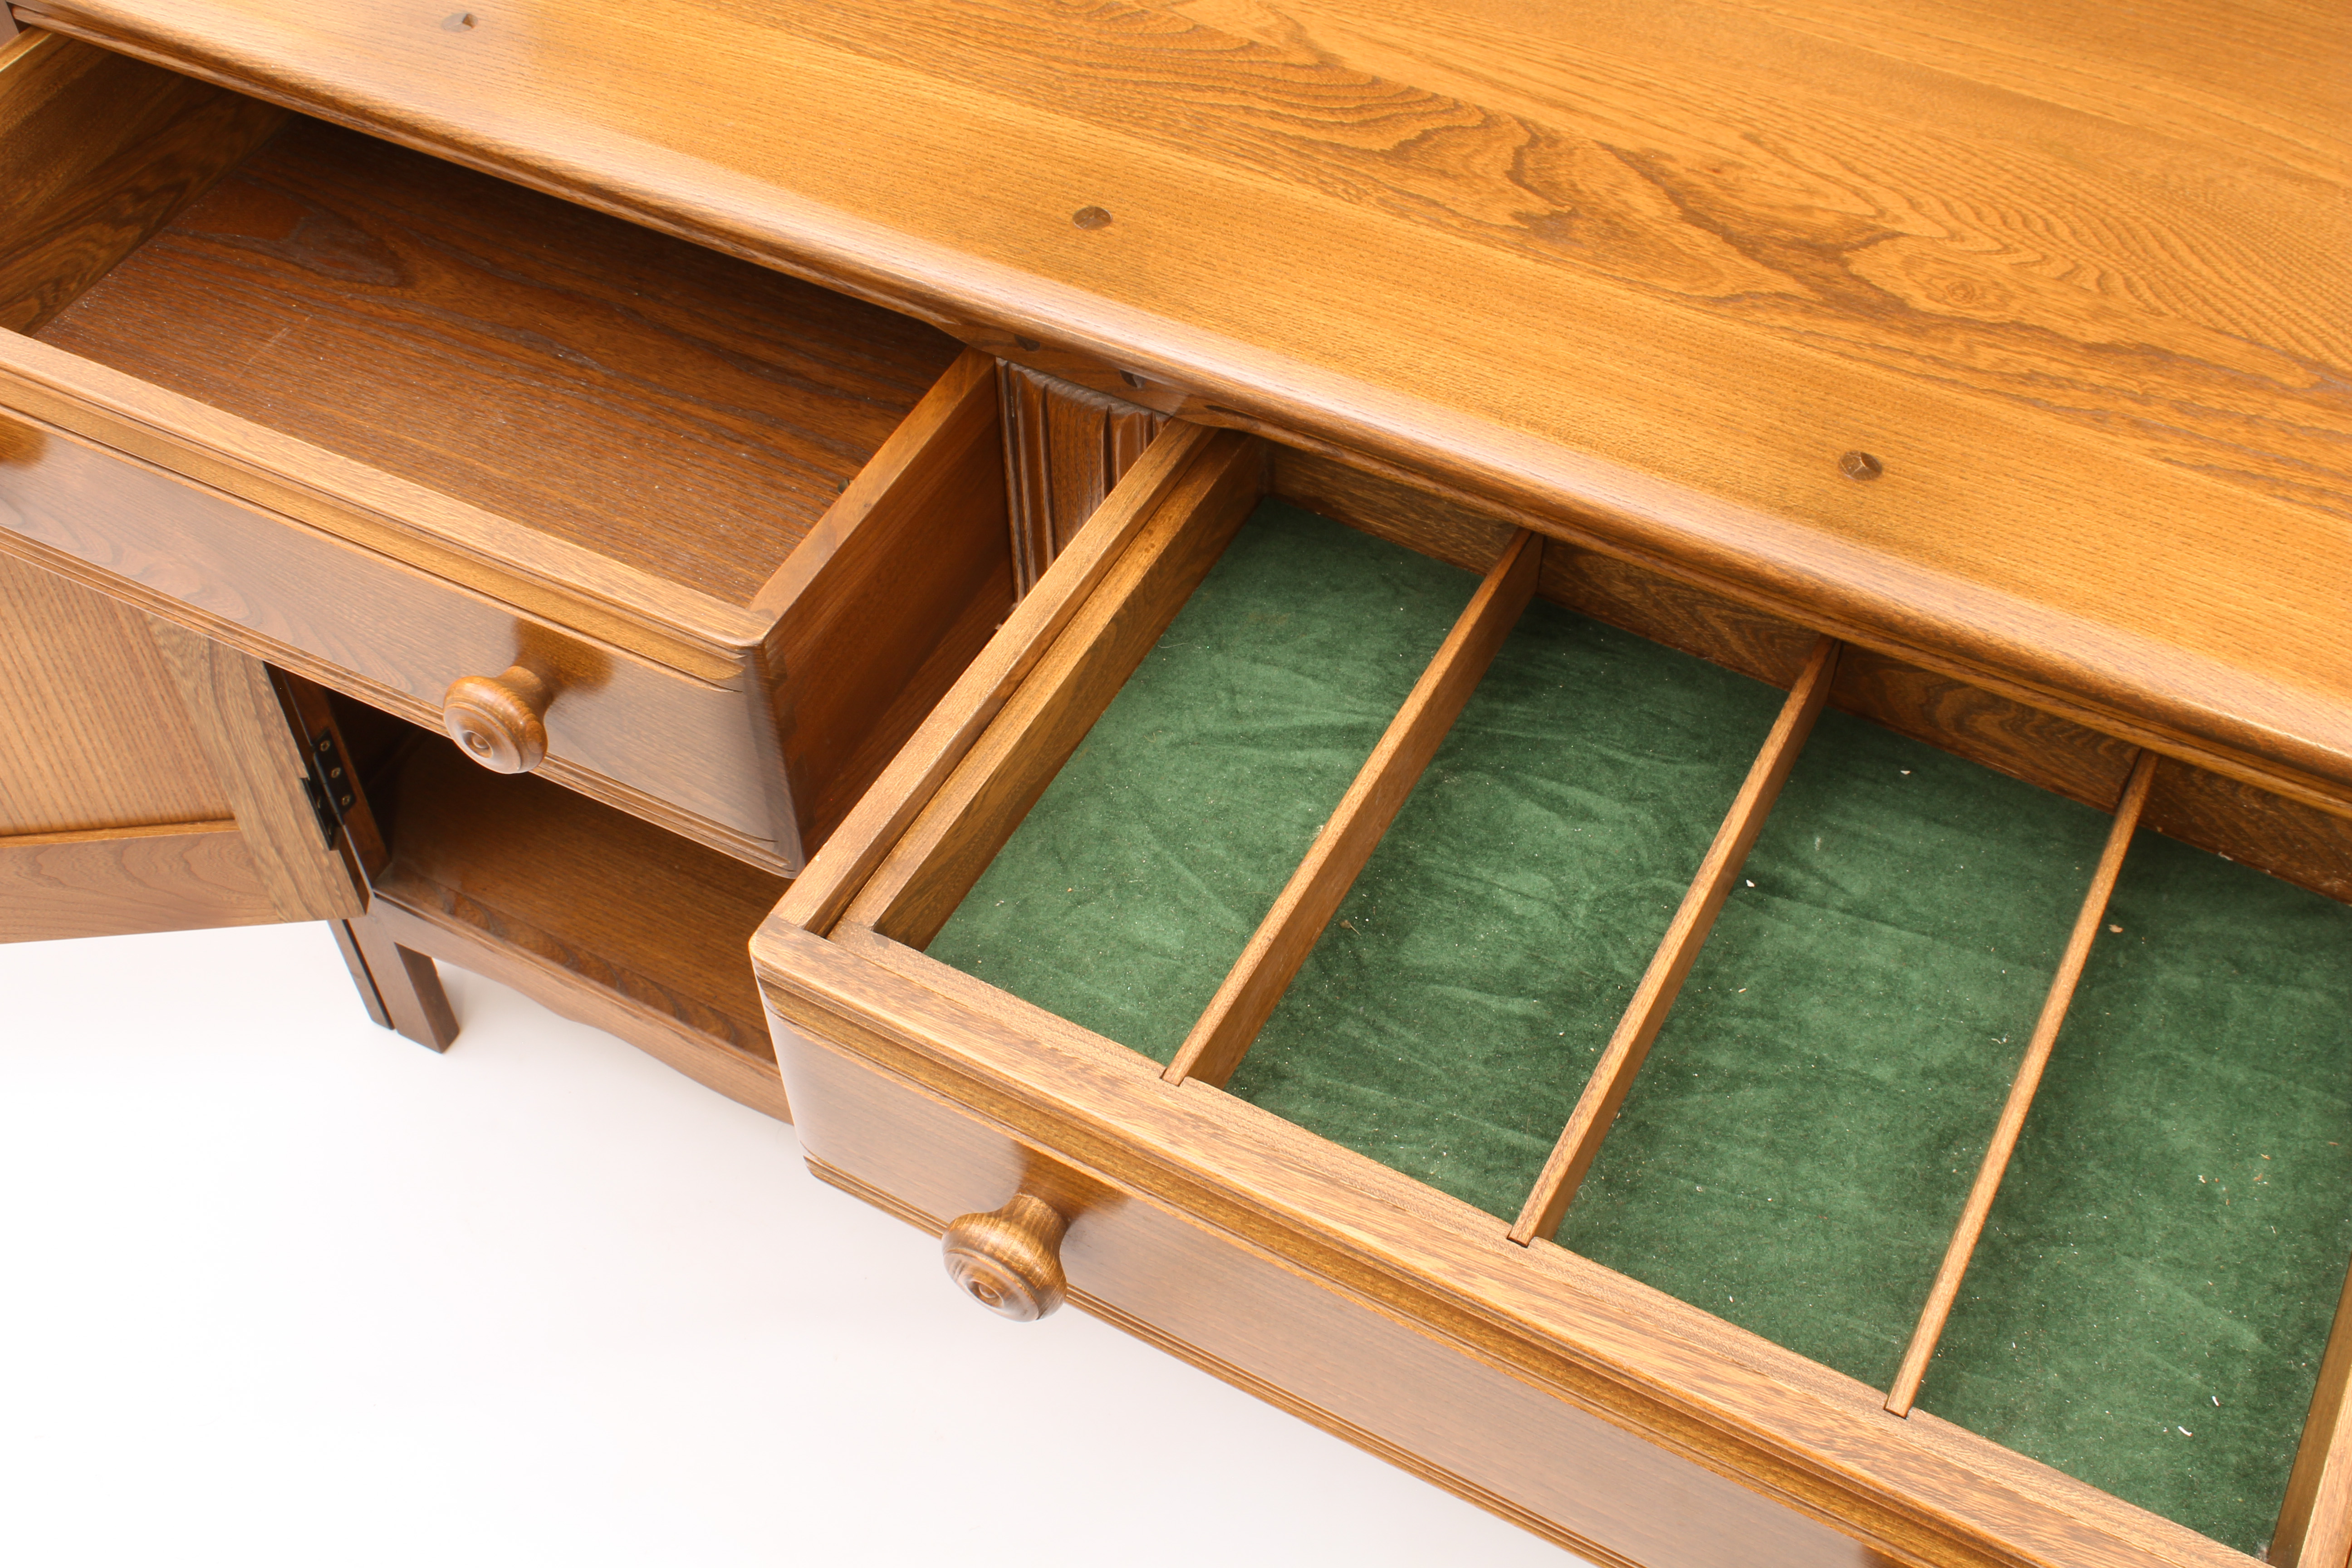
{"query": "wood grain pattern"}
(278, 591)
(881, 608)
(452, 938)
(2044, 750)
(2288, 838)
(97, 152)
(363, 981)
(580, 898)
(59, 395)
(665, 407)
(2111, 451)
(1471, 538)
(95, 735)
(249, 744)
(2314, 1526)
(2010, 1124)
(1066, 448)
(400, 988)
(1791, 1430)
(1270, 959)
(1613, 1076)
(175, 876)
(1448, 1416)
(823, 890)
(926, 873)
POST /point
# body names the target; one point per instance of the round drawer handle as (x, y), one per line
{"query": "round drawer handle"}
(500, 720)
(1010, 1261)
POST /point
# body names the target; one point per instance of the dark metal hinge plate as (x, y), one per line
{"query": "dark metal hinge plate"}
(328, 784)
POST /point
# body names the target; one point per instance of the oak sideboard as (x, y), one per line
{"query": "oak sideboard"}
(1612, 746)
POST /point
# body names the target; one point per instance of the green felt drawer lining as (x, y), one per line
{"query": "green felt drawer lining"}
(1794, 1154)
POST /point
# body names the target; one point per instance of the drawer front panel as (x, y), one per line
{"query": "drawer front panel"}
(620, 728)
(1350, 1369)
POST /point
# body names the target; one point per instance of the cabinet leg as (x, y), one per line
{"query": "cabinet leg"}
(401, 989)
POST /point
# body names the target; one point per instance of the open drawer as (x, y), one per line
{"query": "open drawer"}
(1687, 1068)
(695, 538)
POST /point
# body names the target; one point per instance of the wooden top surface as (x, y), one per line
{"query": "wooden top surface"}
(2080, 278)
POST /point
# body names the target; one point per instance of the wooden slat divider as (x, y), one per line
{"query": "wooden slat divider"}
(1261, 975)
(998, 738)
(1972, 1224)
(2315, 1524)
(1613, 1076)
(873, 827)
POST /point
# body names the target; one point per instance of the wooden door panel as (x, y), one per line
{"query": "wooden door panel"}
(150, 780)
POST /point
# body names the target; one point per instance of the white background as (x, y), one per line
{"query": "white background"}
(278, 1286)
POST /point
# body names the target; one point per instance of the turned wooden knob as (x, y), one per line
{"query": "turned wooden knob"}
(500, 720)
(1010, 1261)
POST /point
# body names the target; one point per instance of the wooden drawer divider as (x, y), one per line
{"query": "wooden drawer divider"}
(1978, 1207)
(1270, 960)
(1098, 610)
(1613, 1076)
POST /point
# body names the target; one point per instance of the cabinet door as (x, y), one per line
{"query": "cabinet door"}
(154, 779)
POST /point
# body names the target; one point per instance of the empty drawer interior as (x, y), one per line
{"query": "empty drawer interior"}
(663, 406)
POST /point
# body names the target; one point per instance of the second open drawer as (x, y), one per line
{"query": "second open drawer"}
(1939, 1154)
(711, 538)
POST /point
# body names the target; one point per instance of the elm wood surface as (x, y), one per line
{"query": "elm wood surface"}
(903, 581)
(2287, 838)
(292, 595)
(1552, 266)
(696, 743)
(1919, 1489)
(959, 830)
(884, 813)
(400, 989)
(1065, 448)
(1270, 959)
(1970, 1228)
(133, 800)
(1438, 1410)
(249, 743)
(1579, 1334)
(97, 151)
(170, 876)
(509, 303)
(2315, 1524)
(1613, 1076)
(650, 400)
(604, 918)
(96, 735)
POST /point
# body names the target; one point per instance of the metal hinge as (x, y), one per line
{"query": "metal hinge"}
(328, 784)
